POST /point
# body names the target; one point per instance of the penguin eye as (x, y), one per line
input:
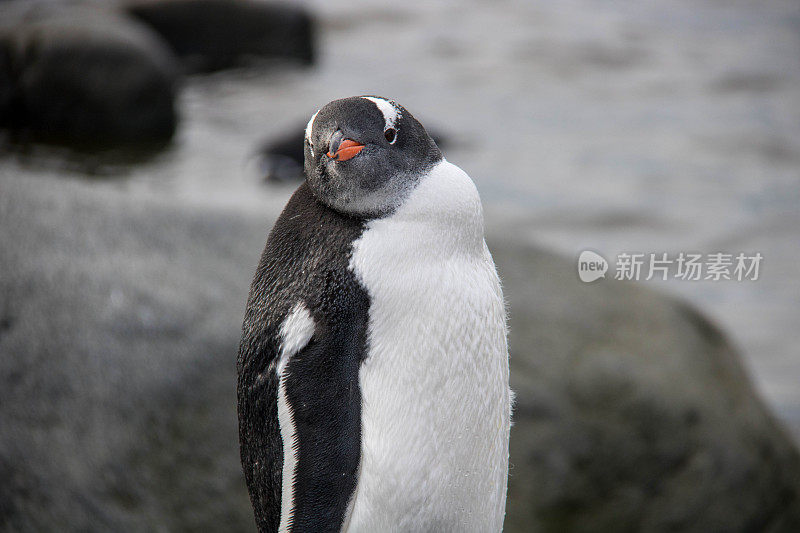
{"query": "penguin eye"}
(391, 135)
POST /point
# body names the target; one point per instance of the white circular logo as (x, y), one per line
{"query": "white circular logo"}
(591, 266)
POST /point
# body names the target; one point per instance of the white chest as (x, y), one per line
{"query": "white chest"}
(435, 397)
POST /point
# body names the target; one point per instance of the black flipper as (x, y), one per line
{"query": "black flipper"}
(305, 260)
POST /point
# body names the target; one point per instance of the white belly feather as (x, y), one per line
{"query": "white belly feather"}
(435, 397)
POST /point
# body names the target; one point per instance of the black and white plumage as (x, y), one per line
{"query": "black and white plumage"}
(373, 367)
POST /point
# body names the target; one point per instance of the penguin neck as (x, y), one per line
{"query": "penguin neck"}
(441, 216)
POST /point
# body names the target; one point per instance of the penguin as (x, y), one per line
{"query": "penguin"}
(373, 369)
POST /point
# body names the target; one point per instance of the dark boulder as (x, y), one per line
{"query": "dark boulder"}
(119, 325)
(280, 160)
(633, 413)
(85, 77)
(6, 86)
(216, 34)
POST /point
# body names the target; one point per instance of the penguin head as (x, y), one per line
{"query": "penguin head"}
(365, 154)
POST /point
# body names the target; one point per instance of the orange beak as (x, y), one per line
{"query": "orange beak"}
(348, 149)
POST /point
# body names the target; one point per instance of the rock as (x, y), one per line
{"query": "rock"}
(6, 87)
(119, 323)
(119, 326)
(633, 413)
(217, 34)
(280, 160)
(84, 77)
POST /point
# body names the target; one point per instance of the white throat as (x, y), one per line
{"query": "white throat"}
(442, 215)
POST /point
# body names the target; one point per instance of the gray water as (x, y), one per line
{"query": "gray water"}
(658, 126)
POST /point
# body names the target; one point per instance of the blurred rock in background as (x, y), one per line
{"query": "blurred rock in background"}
(633, 413)
(120, 323)
(85, 76)
(215, 34)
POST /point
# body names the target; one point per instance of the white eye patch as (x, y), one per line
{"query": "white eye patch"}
(389, 111)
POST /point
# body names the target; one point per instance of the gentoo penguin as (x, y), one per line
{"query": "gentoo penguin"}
(373, 387)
